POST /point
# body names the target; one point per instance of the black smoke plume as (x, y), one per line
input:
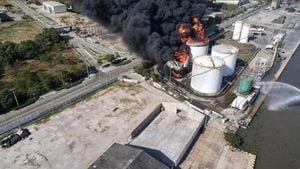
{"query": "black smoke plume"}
(149, 27)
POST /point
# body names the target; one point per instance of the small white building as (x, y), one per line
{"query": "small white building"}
(240, 103)
(236, 2)
(54, 7)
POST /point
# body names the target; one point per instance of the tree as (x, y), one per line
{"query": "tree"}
(48, 38)
(28, 49)
(8, 54)
(28, 83)
(7, 101)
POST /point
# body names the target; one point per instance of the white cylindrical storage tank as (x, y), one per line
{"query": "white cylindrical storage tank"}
(237, 30)
(245, 33)
(207, 74)
(229, 54)
(198, 49)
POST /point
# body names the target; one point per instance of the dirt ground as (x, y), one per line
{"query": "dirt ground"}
(78, 135)
(19, 31)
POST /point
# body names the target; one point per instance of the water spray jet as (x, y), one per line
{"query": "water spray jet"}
(281, 95)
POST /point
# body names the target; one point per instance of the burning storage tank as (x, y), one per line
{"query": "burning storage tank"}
(237, 30)
(229, 54)
(207, 74)
(198, 48)
(195, 38)
(245, 33)
(179, 66)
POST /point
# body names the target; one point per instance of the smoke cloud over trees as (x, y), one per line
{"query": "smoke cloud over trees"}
(149, 27)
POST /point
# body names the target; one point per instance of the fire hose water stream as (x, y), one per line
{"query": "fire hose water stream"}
(280, 95)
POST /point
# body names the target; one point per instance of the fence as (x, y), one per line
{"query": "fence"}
(50, 108)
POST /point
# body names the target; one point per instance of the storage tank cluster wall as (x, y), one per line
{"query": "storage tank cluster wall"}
(241, 31)
(237, 30)
(207, 74)
(245, 33)
(198, 49)
(229, 54)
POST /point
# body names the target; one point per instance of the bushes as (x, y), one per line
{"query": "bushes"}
(233, 139)
(143, 70)
(7, 100)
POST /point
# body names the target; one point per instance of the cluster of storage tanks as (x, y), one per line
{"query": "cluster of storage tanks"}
(209, 70)
(241, 32)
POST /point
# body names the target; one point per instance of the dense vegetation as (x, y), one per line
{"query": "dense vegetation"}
(233, 139)
(25, 69)
(146, 69)
(112, 59)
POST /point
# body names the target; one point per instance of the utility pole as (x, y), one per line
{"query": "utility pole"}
(15, 96)
(87, 70)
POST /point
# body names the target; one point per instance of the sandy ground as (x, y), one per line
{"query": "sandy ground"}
(78, 135)
(210, 151)
(235, 159)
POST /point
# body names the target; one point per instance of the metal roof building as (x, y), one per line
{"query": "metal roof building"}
(126, 157)
(54, 7)
(169, 136)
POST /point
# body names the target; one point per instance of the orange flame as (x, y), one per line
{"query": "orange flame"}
(197, 29)
(181, 56)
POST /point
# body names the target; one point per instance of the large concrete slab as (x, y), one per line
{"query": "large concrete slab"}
(77, 136)
(171, 133)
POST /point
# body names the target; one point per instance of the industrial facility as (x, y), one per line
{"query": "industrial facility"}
(169, 136)
(207, 74)
(158, 91)
(198, 49)
(204, 70)
(229, 54)
(241, 32)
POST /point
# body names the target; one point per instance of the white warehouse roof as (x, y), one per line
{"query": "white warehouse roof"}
(240, 103)
(53, 3)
